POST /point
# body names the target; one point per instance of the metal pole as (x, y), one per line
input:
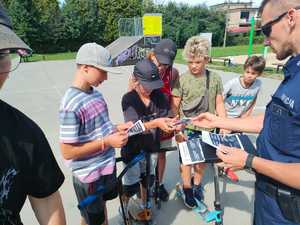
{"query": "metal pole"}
(251, 37)
(225, 31)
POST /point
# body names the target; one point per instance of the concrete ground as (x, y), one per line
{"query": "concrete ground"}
(271, 60)
(36, 89)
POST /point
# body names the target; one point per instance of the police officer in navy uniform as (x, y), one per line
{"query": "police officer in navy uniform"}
(277, 161)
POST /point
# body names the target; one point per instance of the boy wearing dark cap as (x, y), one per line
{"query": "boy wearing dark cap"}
(144, 101)
(87, 135)
(163, 56)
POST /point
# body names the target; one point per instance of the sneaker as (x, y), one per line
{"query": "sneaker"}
(189, 200)
(198, 192)
(231, 175)
(162, 193)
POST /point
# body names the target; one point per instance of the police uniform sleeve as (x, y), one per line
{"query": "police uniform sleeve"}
(45, 177)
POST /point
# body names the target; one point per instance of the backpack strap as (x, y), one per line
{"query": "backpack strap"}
(207, 72)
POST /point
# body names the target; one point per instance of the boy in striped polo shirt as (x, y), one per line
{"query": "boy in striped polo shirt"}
(87, 136)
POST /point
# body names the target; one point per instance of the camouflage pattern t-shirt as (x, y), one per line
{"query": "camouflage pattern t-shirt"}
(189, 87)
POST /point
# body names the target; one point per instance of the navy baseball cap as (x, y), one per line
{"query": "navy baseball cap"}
(8, 39)
(165, 51)
(147, 74)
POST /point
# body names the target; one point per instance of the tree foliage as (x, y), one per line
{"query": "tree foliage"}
(48, 27)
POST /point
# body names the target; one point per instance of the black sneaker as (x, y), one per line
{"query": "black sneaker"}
(189, 200)
(198, 192)
(163, 194)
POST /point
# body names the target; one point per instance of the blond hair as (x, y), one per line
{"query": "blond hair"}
(196, 46)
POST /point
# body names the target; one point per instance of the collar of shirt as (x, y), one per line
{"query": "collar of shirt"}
(292, 67)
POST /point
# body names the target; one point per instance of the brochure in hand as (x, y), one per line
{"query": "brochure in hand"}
(241, 141)
(213, 139)
(137, 128)
(196, 151)
(204, 150)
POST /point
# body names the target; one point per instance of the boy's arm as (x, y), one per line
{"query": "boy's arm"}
(79, 150)
(176, 97)
(175, 104)
(221, 112)
(48, 210)
(220, 107)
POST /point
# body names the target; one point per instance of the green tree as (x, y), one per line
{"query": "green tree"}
(5, 3)
(50, 21)
(112, 11)
(82, 23)
(149, 7)
(25, 21)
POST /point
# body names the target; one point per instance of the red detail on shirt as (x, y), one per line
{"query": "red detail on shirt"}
(166, 78)
(166, 89)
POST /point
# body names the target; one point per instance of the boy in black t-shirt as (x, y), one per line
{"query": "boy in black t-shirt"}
(27, 165)
(147, 103)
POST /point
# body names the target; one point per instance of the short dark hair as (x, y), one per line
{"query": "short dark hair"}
(257, 63)
(280, 4)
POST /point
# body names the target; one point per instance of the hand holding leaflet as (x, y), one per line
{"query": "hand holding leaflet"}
(137, 128)
(183, 121)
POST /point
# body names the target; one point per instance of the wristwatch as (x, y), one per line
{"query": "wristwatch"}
(249, 160)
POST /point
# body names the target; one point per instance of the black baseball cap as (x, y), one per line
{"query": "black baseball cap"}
(147, 74)
(165, 51)
(8, 39)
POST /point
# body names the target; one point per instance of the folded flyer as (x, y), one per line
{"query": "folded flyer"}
(137, 128)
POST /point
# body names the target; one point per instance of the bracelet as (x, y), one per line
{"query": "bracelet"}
(102, 144)
(249, 161)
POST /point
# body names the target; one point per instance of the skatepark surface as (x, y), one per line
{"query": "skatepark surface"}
(37, 88)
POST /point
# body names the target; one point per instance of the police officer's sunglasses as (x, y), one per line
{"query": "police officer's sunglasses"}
(267, 28)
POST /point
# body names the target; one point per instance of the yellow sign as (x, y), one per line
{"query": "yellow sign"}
(152, 24)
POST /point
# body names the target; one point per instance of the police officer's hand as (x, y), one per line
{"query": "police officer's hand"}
(117, 139)
(207, 120)
(234, 158)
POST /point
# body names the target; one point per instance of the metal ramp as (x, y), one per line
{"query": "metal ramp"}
(127, 50)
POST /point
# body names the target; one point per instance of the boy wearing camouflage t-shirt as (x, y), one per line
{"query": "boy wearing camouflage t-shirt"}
(196, 91)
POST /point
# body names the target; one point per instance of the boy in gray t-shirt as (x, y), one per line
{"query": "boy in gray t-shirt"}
(240, 94)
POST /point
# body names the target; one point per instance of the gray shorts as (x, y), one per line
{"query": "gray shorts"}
(135, 174)
(93, 213)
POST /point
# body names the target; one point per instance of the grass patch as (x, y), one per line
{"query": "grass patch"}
(51, 57)
(216, 52)
(233, 51)
(268, 73)
(228, 51)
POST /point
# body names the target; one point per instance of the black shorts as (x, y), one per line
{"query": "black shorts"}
(94, 212)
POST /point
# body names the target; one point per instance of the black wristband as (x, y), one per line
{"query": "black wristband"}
(249, 160)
